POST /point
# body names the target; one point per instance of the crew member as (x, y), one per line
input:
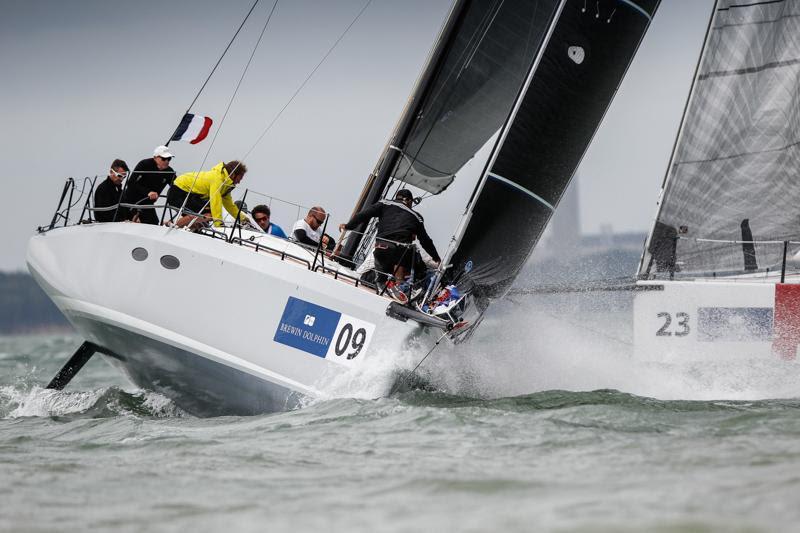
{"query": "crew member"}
(308, 230)
(109, 192)
(261, 214)
(208, 187)
(398, 226)
(147, 180)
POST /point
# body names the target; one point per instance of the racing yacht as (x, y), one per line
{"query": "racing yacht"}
(720, 272)
(233, 321)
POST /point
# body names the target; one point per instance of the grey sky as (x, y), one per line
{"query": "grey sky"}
(86, 81)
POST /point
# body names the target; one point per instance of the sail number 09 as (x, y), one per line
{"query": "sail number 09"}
(349, 339)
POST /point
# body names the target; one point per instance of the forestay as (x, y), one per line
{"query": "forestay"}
(734, 172)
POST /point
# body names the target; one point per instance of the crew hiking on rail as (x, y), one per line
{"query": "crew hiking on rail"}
(211, 187)
(398, 226)
(144, 186)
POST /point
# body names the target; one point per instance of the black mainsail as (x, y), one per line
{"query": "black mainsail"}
(535, 75)
(570, 85)
(733, 172)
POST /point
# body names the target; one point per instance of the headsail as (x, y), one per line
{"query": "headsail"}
(474, 90)
(465, 93)
(734, 173)
(569, 87)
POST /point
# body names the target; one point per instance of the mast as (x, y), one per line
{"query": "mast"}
(379, 179)
(704, 49)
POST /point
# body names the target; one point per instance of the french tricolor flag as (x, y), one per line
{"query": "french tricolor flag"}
(193, 128)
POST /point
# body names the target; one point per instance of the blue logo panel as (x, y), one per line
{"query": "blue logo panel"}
(306, 326)
(734, 324)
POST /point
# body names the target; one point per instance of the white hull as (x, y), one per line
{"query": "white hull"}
(720, 319)
(230, 330)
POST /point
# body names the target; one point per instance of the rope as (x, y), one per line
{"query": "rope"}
(78, 198)
(227, 109)
(300, 88)
(406, 377)
(83, 190)
(244, 72)
(287, 103)
(217, 63)
(464, 61)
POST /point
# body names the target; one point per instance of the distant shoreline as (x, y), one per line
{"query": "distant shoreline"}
(26, 310)
(39, 330)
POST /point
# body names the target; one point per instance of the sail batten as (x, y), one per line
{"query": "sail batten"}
(522, 190)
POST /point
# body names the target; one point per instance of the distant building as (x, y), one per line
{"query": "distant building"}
(562, 238)
(563, 255)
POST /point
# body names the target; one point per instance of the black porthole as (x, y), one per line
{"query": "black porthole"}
(139, 254)
(170, 262)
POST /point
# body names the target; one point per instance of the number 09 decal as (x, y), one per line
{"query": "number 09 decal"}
(350, 339)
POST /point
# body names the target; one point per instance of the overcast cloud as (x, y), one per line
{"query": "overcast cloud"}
(84, 82)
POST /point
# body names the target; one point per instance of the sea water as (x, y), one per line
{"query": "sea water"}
(543, 422)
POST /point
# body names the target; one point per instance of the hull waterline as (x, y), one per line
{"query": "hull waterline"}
(218, 328)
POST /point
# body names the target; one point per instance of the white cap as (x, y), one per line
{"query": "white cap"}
(162, 151)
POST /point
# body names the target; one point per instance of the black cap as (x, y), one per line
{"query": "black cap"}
(404, 194)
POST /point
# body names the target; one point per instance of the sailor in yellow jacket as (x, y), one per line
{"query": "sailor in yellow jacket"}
(208, 187)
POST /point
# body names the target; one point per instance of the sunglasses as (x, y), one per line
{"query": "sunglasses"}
(261, 219)
(119, 174)
(167, 159)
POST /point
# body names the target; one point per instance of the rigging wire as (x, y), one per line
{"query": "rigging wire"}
(216, 64)
(78, 198)
(408, 375)
(300, 88)
(464, 60)
(227, 109)
(241, 78)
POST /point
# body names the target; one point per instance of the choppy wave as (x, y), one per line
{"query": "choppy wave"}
(539, 423)
(106, 402)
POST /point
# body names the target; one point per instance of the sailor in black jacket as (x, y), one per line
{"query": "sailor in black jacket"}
(398, 226)
(148, 179)
(108, 193)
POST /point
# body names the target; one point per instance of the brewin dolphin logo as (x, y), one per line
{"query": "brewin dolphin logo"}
(307, 327)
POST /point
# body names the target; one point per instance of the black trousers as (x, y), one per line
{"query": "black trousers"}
(147, 215)
(389, 255)
(176, 197)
